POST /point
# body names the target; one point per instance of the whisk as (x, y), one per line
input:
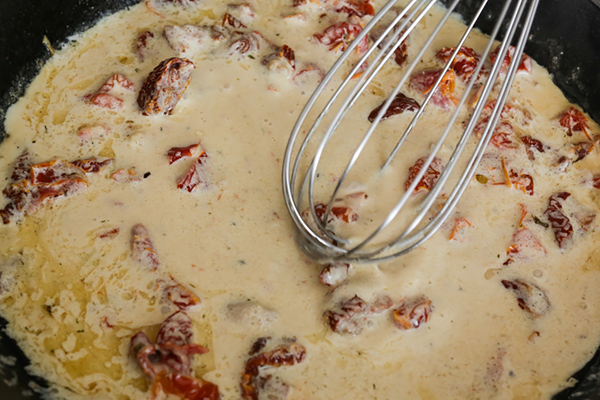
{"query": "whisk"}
(300, 167)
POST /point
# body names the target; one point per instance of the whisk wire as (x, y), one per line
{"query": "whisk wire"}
(323, 242)
(461, 185)
(359, 87)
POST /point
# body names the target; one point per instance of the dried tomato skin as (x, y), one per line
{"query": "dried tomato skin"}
(413, 314)
(283, 355)
(142, 247)
(142, 42)
(574, 121)
(360, 8)
(464, 63)
(21, 168)
(444, 94)
(533, 144)
(193, 178)
(232, 22)
(185, 387)
(524, 66)
(177, 153)
(530, 297)
(560, 223)
(351, 317)
(167, 363)
(181, 296)
(582, 149)
(401, 52)
(339, 36)
(164, 86)
(400, 104)
(429, 178)
(92, 165)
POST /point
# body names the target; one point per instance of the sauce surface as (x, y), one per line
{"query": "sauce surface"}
(503, 323)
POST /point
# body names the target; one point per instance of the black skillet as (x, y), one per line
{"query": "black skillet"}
(565, 39)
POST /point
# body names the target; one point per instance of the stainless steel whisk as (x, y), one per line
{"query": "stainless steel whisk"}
(298, 183)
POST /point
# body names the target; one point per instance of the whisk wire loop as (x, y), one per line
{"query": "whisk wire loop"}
(321, 242)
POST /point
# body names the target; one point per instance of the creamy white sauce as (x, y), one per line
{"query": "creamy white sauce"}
(233, 243)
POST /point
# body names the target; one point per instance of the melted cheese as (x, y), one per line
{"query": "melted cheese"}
(74, 299)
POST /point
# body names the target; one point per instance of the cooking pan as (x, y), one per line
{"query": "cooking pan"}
(565, 39)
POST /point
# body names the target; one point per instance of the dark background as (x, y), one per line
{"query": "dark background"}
(565, 39)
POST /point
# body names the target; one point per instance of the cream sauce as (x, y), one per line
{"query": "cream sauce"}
(232, 243)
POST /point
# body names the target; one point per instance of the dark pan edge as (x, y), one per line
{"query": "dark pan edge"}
(580, 84)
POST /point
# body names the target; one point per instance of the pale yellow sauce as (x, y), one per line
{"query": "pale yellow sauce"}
(234, 242)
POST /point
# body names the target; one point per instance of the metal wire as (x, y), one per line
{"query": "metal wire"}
(319, 241)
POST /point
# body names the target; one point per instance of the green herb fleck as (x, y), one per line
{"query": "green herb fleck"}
(251, 56)
(540, 222)
(481, 179)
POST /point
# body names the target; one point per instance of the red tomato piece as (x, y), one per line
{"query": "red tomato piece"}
(429, 179)
(340, 35)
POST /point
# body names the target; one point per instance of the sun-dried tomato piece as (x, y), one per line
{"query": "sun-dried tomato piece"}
(351, 317)
(167, 363)
(339, 36)
(464, 63)
(412, 314)
(185, 387)
(283, 59)
(526, 64)
(596, 181)
(524, 246)
(510, 114)
(360, 8)
(102, 98)
(58, 188)
(246, 42)
(429, 178)
(380, 304)
(179, 2)
(176, 330)
(284, 355)
(116, 80)
(165, 85)
(581, 150)
(522, 181)
(92, 165)
(90, 133)
(232, 22)
(21, 168)
(181, 296)
(400, 104)
(501, 139)
(126, 175)
(530, 297)
(444, 95)
(334, 274)
(560, 223)
(575, 121)
(259, 345)
(177, 153)
(191, 38)
(339, 213)
(43, 181)
(50, 172)
(106, 100)
(109, 233)
(533, 144)
(401, 52)
(142, 247)
(141, 44)
(196, 175)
